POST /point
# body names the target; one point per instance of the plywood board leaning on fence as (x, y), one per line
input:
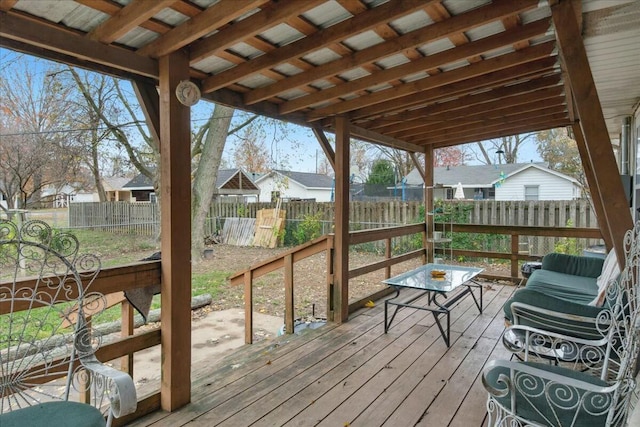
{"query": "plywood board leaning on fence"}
(269, 227)
(238, 231)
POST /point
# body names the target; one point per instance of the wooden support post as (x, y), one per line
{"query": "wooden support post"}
(616, 219)
(248, 307)
(428, 203)
(288, 294)
(175, 187)
(126, 311)
(341, 276)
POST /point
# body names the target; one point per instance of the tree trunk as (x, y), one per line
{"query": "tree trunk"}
(204, 183)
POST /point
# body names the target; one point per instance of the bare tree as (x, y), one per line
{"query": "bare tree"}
(501, 150)
(34, 143)
(251, 153)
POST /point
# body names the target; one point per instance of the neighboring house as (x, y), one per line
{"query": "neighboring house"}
(512, 181)
(60, 197)
(114, 189)
(230, 182)
(295, 186)
(3, 202)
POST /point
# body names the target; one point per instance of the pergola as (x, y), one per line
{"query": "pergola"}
(410, 74)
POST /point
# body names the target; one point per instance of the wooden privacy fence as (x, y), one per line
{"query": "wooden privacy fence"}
(143, 218)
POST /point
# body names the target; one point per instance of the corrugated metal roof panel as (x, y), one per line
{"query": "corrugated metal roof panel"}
(327, 14)
(456, 7)
(137, 37)
(256, 80)
(246, 51)
(485, 30)
(354, 74)
(321, 56)
(411, 22)
(84, 19)
(498, 52)
(282, 34)
(171, 17)
(287, 69)
(392, 61)
(378, 88)
(322, 84)
(535, 14)
(454, 65)
(213, 65)
(292, 94)
(436, 46)
(51, 10)
(363, 40)
(416, 76)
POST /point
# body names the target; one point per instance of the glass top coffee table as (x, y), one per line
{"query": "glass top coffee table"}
(421, 278)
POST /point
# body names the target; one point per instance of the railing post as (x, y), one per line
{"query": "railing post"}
(387, 255)
(126, 309)
(288, 294)
(330, 285)
(515, 250)
(248, 307)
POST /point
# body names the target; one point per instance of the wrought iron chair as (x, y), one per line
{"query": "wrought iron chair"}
(593, 382)
(47, 345)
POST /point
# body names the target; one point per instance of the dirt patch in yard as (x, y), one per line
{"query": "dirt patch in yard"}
(310, 292)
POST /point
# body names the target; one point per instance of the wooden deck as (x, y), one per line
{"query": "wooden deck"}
(354, 375)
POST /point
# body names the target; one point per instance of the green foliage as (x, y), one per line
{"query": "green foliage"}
(568, 245)
(308, 229)
(382, 172)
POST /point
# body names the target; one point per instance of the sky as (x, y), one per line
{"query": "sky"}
(296, 149)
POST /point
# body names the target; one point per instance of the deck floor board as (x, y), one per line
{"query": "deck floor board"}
(354, 374)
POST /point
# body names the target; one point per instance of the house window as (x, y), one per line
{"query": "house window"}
(531, 192)
(275, 195)
(492, 193)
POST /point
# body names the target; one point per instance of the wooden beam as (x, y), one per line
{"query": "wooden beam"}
(513, 74)
(481, 136)
(416, 117)
(249, 27)
(496, 124)
(594, 128)
(320, 39)
(597, 200)
(126, 19)
(459, 74)
(341, 270)
(149, 101)
(428, 62)
(413, 39)
(499, 108)
(211, 18)
(378, 138)
(112, 8)
(48, 37)
(175, 187)
(326, 147)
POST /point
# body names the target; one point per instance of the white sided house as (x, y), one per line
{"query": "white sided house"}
(535, 182)
(292, 186)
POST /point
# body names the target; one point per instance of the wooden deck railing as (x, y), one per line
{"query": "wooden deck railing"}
(288, 258)
(112, 280)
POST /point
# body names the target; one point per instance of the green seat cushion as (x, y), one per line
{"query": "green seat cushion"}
(53, 414)
(578, 289)
(573, 264)
(537, 409)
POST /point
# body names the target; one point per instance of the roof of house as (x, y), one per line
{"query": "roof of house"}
(227, 178)
(477, 175)
(306, 179)
(115, 183)
(542, 167)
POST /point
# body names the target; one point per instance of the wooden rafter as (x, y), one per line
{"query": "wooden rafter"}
(249, 27)
(112, 8)
(415, 118)
(198, 26)
(459, 74)
(298, 49)
(449, 56)
(326, 147)
(126, 19)
(527, 70)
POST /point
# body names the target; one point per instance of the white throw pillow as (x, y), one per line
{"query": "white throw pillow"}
(610, 270)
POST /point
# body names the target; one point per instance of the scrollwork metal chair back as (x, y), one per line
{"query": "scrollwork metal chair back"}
(47, 345)
(525, 393)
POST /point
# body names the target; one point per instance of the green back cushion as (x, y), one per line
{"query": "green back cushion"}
(53, 414)
(537, 408)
